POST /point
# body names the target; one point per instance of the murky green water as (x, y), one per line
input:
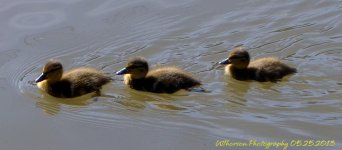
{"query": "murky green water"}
(191, 34)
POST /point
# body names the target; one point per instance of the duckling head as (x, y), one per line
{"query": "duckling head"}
(52, 72)
(238, 58)
(136, 67)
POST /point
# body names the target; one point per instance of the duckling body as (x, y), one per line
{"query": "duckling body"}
(162, 80)
(262, 69)
(71, 84)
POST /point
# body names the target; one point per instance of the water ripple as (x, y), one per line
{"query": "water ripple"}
(35, 20)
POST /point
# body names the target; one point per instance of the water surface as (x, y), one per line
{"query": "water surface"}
(191, 34)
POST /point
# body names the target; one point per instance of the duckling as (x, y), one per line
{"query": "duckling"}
(262, 69)
(163, 80)
(71, 84)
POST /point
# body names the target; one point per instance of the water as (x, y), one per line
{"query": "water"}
(191, 34)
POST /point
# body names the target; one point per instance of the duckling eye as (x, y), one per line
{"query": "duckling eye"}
(238, 58)
(131, 67)
(235, 58)
(243, 59)
(52, 70)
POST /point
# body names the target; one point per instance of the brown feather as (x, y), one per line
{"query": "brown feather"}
(161, 80)
(262, 69)
(74, 83)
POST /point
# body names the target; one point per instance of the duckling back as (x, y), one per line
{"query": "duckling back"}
(77, 82)
(163, 80)
(269, 69)
(263, 69)
(169, 80)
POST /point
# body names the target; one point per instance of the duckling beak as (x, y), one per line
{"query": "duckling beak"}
(41, 77)
(122, 71)
(225, 61)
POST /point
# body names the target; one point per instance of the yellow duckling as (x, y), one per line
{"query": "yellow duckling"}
(74, 83)
(262, 69)
(163, 80)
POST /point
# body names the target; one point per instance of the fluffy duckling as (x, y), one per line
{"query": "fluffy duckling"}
(262, 69)
(71, 84)
(163, 80)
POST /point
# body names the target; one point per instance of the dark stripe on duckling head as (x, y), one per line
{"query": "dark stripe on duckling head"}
(43, 76)
(232, 58)
(129, 69)
(238, 53)
(238, 58)
(53, 70)
(134, 64)
(50, 67)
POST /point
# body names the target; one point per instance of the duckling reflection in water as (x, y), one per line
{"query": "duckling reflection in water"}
(71, 84)
(163, 80)
(262, 69)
